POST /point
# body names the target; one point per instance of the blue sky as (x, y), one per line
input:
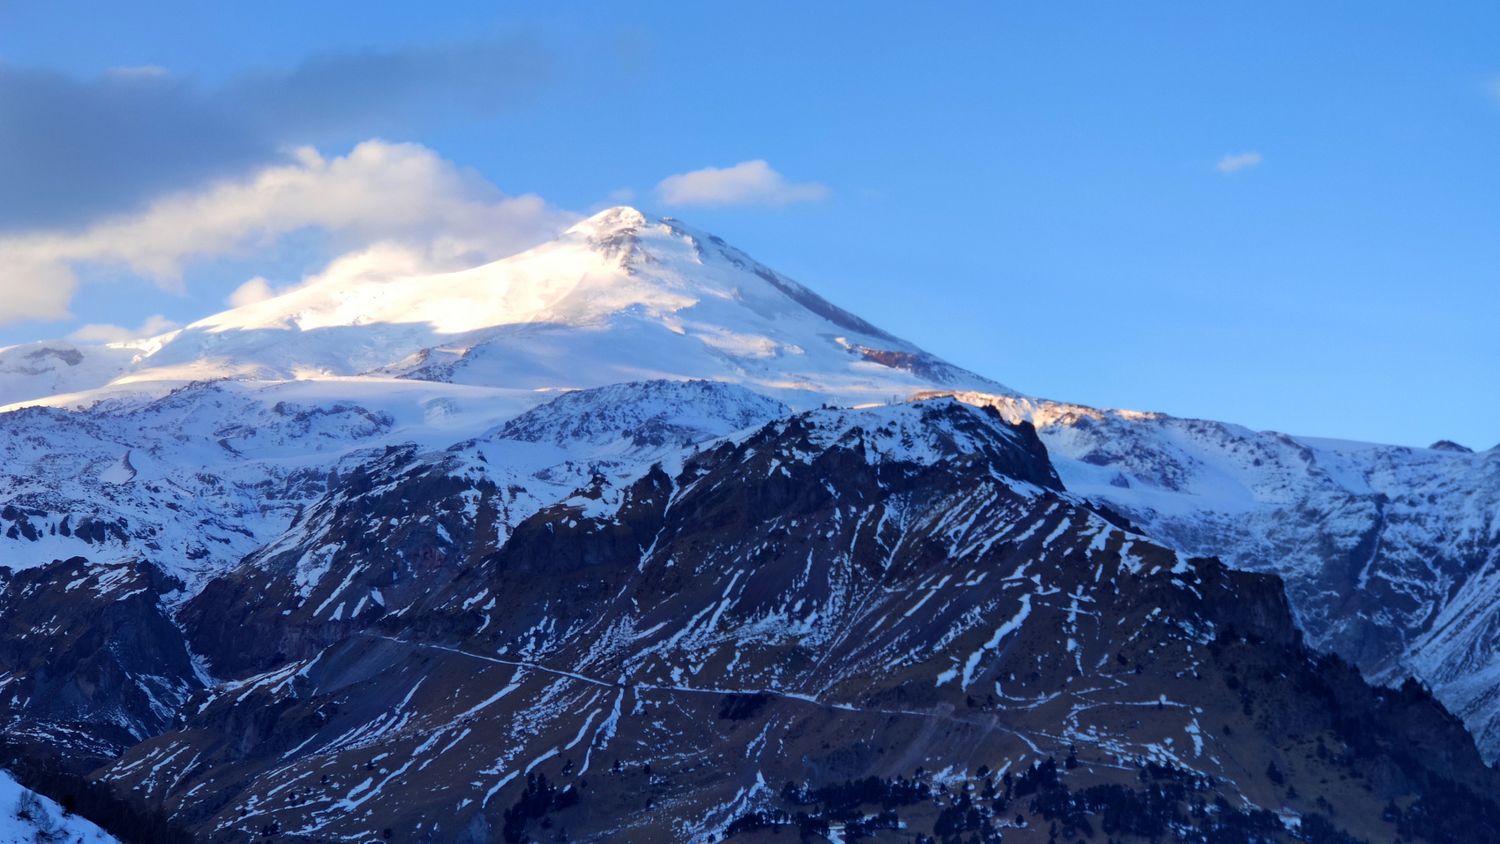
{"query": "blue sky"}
(1281, 214)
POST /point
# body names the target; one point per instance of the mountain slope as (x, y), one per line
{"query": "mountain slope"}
(27, 818)
(837, 595)
(616, 298)
(199, 445)
(429, 554)
(1391, 555)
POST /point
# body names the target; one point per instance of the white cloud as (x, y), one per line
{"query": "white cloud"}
(106, 333)
(32, 286)
(255, 290)
(1493, 86)
(746, 183)
(375, 263)
(1238, 161)
(401, 194)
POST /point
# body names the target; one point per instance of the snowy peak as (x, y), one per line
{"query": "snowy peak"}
(609, 224)
(612, 262)
(574, 279)
(618, 297)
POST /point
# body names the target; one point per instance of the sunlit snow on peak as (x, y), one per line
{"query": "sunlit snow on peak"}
(617, 297)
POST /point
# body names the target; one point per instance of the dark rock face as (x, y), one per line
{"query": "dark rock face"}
(267, 611)
(92, 663)
(1389, 554)
(69, 357)
(887, 611)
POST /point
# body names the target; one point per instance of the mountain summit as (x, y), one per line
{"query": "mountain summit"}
(617, 297)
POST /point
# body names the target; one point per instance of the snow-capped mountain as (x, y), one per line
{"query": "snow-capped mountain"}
(617, 298)
(626, 531)
(236, 419)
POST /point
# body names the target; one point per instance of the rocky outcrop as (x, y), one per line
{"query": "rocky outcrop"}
(90, 660)
(899, 595)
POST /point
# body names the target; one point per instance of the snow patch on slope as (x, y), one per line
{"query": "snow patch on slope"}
(28, 818)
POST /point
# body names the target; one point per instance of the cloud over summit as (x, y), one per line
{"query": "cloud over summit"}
(746, 183)
(403, 197)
